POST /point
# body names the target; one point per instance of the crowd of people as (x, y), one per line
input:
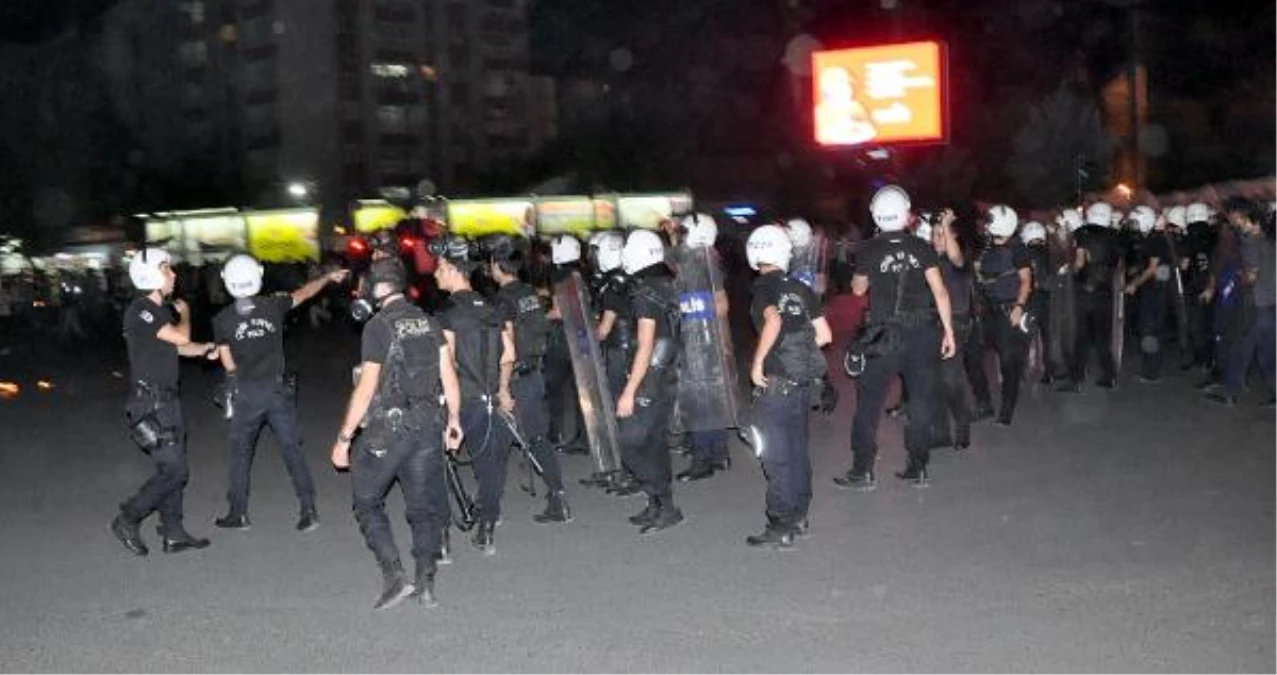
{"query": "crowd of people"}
(626, 339)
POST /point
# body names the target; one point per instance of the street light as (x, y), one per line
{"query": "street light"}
(297, 190)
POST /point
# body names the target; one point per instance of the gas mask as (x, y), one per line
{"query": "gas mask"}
(390, 271)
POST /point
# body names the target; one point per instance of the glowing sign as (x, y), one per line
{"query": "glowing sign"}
(283, 236)
(572, 215)
(373, 215)
(646, 212)
(882, 94)
(480, 217)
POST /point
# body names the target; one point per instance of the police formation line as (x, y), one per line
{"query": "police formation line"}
(638, 328)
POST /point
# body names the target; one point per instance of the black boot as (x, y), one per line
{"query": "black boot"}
(178, 540)
(858, 480)
(597, 480)
(647, 514)
(394, 587)
(916, 473)
(233, 521)
(423, 588)
(126, 530)
(483, 537)
(776, 535)
(667, 516)
(309, 520)
(697, 470)
(556, 509)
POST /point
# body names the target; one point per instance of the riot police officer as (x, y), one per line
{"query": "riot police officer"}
(953, 414)
(481, 351)
(399, 431)
(645, 405)
(1149, 288)
(787, 363)
(526, 325)
(1033, 234)
(707, 381)
(250, 338)
(1005, 281)
(1197, 249)
(907, 295)
(156, 333)
(1095, 262)
(616, 332)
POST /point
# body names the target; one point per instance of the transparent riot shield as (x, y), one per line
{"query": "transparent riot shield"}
(709, 390)
(809, 264)
(1119, 315)
(597, 405)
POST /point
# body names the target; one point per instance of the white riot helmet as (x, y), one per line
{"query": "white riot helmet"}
(1002, 221)
(565, 249)
(1197, 212)
(799, 232)
(890, 208)
(242, 275)
(144, 269)
(643, 248)
(608, 249)
(1177, 216)
(1145, 219)
(769, 245)
(924, 231)
(1099, 213)
(1032, 231)
(1070, 219)
(702, 231)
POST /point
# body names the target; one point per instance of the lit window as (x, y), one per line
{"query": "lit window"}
(390, 70)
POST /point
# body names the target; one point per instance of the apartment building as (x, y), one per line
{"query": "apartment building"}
(351, 97)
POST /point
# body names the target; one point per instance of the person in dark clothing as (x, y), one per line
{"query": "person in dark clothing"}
(787, 363)
(1034, 236)
(953, 414)
(1197, 251)
(250, 338)
(1256, 291)
(1005, 280)
(907, 296)
(526, 326)
(1094, 264)
(481, 350)
(157, 332)
(1149, 290)
(645, 406)
(399, 431)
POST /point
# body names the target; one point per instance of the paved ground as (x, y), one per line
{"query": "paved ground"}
(1104, 532)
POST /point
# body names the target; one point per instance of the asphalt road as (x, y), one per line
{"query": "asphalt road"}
(1123, 531)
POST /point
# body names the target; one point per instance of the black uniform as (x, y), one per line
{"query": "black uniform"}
(999, 269)
(896, 264)
(953, 408)
(518, 304)
(1040, 303)
(780, 410)
(1198, 247)
(478, 349)
(401, 438)
(253, 328)
(154, 372)
(1094, 291)
(1152, 302)
(622, 340)
(642, 435)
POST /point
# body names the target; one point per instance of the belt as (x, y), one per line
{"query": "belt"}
(781, 386)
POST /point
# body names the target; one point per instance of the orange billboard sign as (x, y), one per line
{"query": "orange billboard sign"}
(879, 95)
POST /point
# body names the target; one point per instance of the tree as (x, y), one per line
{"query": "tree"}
(1062, 142)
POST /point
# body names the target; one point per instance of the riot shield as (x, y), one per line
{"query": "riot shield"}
(597, 405)
(1063, 319)
(1178, 307)
(809, 264)
(709, 390)
(1119, 315)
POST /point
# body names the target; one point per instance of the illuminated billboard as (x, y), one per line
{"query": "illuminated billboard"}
(481, 217)
(880, 95)
(290, 235)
